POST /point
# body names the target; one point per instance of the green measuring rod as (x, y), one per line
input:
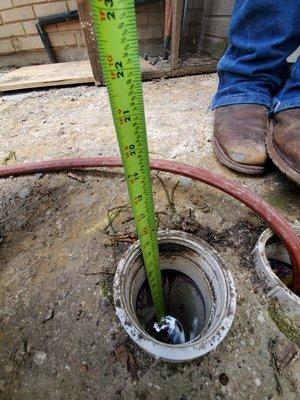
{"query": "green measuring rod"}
(116, 33)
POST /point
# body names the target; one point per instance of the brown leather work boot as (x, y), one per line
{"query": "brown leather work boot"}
(283, 143)
(239, 137)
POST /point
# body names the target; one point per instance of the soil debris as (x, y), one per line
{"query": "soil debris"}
(223, 378)
(284, 351)
(76, 177)
(49, 315)
(84, 368)
(11, 156)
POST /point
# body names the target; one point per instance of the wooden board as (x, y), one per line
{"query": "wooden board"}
(37, 76)
(177, 12)
(87, 26)
(218, 7)
(215, 26)
(60, 74)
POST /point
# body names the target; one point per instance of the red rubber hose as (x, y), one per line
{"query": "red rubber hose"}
(272, 217)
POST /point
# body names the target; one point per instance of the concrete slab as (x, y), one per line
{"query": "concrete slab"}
(59, 335)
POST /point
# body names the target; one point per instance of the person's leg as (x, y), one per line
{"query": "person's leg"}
(262, 34)
(289, 95)
(283, 141)
(253, 69)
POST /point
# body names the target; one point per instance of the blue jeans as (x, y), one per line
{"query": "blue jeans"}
(254, 70)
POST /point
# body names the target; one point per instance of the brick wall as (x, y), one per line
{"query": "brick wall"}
(17, 25)
(150, 20)
(20, 43)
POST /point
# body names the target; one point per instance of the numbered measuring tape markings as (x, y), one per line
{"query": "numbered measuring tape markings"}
(116, 34)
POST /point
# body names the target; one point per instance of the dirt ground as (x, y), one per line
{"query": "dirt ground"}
(187, 60)
(59, 336)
